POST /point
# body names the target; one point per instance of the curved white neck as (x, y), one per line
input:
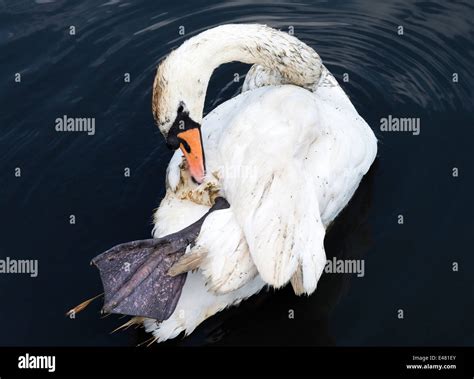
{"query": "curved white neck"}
(296, 61)
(192, 64)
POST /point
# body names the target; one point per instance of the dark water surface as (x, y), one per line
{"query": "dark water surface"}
(407, 267)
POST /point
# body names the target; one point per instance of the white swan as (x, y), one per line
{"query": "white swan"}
(287, 153)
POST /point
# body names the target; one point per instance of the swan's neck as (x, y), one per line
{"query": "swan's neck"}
(195, 60)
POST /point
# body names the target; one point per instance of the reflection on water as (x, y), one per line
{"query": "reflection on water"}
(406, 75)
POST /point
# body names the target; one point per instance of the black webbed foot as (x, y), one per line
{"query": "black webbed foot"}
(135, 274)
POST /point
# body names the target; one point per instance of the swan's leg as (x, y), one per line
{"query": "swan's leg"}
(134, 274)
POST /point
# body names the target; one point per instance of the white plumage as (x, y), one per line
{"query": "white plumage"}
(288, 159)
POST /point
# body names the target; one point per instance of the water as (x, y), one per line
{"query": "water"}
(407, 266)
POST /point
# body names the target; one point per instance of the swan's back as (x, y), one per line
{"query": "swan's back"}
(263, 129)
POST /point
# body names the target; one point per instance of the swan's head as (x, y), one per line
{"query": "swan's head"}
(178, 101)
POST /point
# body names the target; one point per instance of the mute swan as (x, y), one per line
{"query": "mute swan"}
(287, 153)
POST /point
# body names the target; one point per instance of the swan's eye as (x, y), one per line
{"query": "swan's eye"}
(180, 108)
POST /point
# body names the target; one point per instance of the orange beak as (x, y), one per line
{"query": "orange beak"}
(190, 143)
